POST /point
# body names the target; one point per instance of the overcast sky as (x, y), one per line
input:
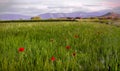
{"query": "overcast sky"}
(36, 7)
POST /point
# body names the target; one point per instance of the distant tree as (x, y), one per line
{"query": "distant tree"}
(70, 18)
(50, 19)
(92, 17)
(101, 18)
(21, 19)
(115, 18)
(35, 18)
(77, 17)
(108, 17)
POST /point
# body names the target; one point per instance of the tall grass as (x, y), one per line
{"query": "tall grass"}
(97, 47)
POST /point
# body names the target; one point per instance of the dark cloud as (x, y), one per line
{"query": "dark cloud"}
(34, 7)
(5, 5)
(117, 10)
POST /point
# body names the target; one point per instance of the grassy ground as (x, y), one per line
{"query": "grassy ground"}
(74, 46)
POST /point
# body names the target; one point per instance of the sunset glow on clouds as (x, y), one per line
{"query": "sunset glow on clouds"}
(35, 7)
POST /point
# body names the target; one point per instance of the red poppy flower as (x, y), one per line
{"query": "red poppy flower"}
(53, 58)
(74, 54)
(76, 36)
(67, 47)
(21, 49)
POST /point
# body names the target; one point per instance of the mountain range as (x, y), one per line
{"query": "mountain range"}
(73, 14)
(60, 15)
(13, 17)
(111, 14)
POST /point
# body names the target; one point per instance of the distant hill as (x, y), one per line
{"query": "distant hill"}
(55, 15)
(13, 17)
(111, 14)
(74, 14)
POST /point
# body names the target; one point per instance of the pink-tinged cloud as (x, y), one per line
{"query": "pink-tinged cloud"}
(111, 4)
(5, 1)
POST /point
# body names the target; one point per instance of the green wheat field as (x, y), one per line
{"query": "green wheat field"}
(59, 46)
